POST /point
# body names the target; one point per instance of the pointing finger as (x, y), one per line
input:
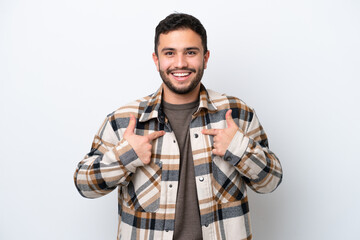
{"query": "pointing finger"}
(155, 135)
(210, 131)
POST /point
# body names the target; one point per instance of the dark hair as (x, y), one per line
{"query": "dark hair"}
(177, 21)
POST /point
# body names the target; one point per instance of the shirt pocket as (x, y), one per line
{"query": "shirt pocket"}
(227, 185)
(142, 194)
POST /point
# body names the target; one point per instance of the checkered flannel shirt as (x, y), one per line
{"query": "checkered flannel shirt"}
(147, 193)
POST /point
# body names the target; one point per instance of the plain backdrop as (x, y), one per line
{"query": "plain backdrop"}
(64, 65)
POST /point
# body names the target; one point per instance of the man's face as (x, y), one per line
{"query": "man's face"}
(181, 60)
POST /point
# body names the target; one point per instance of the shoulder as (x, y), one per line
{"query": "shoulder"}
(135, 108)
(241, 112)
(223, 101)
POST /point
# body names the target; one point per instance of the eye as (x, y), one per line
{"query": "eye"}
(169, 53)
(191, 53)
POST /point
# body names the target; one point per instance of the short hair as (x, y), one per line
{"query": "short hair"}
(177, 21)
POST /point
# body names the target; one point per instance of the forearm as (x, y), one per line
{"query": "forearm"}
(259, 166)
(94, 179)
(110, 163)
(250, 154)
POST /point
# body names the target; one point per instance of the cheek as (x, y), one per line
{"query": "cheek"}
(164, 65)
(198, 63)
(197, 66)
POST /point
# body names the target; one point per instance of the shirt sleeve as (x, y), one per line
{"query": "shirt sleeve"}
(111, 162)
(249, 152)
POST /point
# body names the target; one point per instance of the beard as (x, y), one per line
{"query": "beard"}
(186, 89)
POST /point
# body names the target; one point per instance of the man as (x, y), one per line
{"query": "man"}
(183, 156)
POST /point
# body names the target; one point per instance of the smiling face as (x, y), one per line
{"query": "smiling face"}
(181, 62)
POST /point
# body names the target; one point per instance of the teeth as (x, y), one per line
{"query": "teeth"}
(180, 74)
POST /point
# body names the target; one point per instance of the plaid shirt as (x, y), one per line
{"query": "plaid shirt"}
(147, 193)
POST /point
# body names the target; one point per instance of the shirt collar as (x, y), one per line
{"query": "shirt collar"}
(153, 106)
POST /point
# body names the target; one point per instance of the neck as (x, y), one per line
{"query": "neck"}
(174, 98)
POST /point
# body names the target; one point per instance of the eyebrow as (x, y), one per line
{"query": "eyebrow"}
(186, 49)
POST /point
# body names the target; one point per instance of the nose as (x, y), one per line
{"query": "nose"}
(180, 61)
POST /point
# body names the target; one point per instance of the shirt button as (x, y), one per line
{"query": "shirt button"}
(206, 225)
(166, 230)
(170, 186)
(196, 135)
(201, 179)
(174, 141)
(228, 158)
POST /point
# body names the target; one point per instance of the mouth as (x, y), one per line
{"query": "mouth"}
(182, 75)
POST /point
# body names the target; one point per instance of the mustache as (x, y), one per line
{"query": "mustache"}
(186, 69)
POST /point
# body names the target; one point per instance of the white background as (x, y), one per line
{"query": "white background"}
(64, 65)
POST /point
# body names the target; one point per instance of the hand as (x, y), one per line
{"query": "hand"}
(141, 144)
(222, 137)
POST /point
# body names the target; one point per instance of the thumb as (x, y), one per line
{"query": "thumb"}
(131, 127)
(229, 120)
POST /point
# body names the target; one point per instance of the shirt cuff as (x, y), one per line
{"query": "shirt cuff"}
(237, 148)
(127, 156)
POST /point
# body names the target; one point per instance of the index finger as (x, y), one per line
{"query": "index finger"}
(155, 135)
(209, 131)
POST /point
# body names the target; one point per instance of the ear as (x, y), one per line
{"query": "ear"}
(156, 61)
(206, 58)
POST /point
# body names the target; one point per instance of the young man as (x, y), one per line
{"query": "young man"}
(182, 157)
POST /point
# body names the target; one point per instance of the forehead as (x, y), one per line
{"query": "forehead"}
(181, 38)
